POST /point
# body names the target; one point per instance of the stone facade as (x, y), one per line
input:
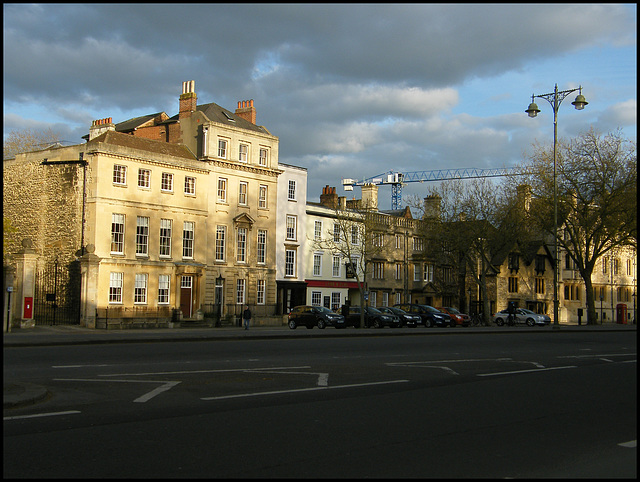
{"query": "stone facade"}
(154, 212)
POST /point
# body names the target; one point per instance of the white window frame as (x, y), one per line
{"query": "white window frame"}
(317, 264)
(317, 230)
(262, 196)
(354, 234)
(117, 233)
(264, 156)
(142, 236)
(427, 272)
(144, 178)
(189, 185)
(261, 288)
(336, 268)
(291, 190)
(290, 262)
(316, 298)
(188, 239)
(164, 284)
(222, 148)
(165, 238)
(241, 245)
(222, 190)
(115, 287)
(221, 236)
(291, 228)
(243, 190)
(119, 175)
(241, 288)
(166, 182)
(140, 289)
(243, 153)
(261, 246)
(336, 300)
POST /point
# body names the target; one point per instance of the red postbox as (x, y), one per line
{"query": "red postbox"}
(621, 314)
(28, 307)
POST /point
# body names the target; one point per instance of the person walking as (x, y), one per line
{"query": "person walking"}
(246, 317)
(512, 314)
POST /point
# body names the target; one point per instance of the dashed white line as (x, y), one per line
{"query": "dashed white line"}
(276, 392)
(36, 415)
(516, 372)
(632, 444)
(166, 385)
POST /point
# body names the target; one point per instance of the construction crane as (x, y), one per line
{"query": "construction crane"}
(397, 179)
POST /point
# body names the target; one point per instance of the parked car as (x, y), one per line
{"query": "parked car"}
(522, 316)
(428, 314)
(407, 319)
(372, 318)
(457, 318)
(311, 316)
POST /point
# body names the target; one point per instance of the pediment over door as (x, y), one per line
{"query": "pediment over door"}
(244, 221)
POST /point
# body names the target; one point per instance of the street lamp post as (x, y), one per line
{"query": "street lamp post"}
(555, 98)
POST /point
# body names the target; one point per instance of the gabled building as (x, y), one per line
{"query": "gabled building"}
(172, 218)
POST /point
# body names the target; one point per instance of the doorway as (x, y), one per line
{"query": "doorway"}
(186, 295)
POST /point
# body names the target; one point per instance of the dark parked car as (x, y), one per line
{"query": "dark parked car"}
(372, 318)
(457, 318)
(311, 316)
(408, 319)
(428, 314)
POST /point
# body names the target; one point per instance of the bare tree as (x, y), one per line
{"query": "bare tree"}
(468, 228)
(354, 238)
(27, 140)
(597, 199)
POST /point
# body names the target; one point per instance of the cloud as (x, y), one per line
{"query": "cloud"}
(351, 90)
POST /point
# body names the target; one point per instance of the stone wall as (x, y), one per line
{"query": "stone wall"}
(43, 202)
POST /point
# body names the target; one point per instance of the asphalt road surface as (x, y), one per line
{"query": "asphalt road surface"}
(513, 405)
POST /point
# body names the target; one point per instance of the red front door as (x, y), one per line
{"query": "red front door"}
(186, 295)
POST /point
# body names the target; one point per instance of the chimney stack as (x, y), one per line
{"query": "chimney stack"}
(370, 197)
(246, 110)
(188, 99)
(329, 198)
(100, 126)
(432, 207)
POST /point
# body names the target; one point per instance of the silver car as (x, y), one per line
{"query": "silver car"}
(523, 316)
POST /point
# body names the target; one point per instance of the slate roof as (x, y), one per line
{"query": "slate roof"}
(215, 113)
(131, 124)
(148, 145)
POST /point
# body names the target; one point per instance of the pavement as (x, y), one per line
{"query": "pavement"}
(18, 394)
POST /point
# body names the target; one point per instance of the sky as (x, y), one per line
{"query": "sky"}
(351, 90)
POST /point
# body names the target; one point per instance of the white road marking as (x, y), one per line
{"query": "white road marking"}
(597, 356)
(167, 385)
(224, 370)
(153, 393)
(258, 394)
(523, 371)
(323, 378)
(78, 366)
(35, 415)
(450, 361)
(632, 444)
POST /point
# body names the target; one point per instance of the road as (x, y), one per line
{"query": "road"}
(510, 405)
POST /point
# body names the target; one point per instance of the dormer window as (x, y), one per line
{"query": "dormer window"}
(514, 262)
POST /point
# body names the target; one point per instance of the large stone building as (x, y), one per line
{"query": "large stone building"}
(168, 213)
(163, 219)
